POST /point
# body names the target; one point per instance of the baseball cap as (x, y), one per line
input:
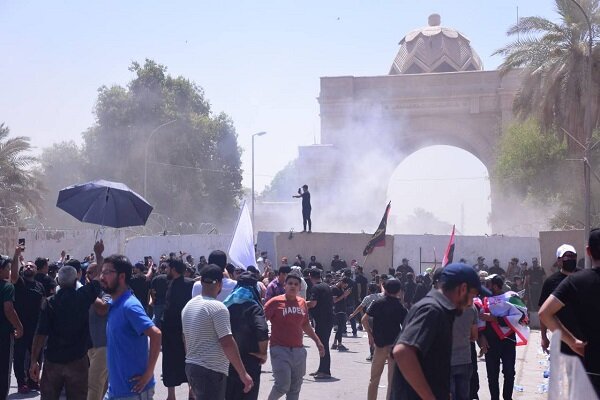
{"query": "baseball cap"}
(564, 248)
(462, 273)
(212, 274)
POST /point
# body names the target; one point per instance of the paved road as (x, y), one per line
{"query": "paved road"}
(351, 375)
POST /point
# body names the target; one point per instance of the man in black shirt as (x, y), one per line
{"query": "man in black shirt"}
(340, 293)
(314, 263)
(29, 295)
(140, 284)
(158, 292)
(566, 257)
(338, 264)
(306, 207)
(173, 348)
(321, 307)
(63, 325)
(388, 315)
(496, 268)
(534, 280)
(42, 276)
(404, 268)
(423, 349)
(502, 349)
(251, 334)
(580, 291)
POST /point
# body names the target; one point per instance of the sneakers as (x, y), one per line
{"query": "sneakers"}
(23, 389)
(341, 347)
(334, 346)
(370, 358)
(322, 375)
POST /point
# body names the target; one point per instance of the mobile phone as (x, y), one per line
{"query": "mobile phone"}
(21, 242)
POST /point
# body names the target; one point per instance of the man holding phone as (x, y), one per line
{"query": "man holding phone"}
(306, 207)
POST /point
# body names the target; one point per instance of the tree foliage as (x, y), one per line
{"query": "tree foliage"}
(530, 162)
(554, 58)
(193, 163)
(20, 188)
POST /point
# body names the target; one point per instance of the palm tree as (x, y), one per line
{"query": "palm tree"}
(553, 56)
(20, 188)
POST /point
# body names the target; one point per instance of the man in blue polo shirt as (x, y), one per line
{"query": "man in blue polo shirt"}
(130, 362)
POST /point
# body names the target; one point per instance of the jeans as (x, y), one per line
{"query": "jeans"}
(147, 395)
(380, 356)
(506, 351)
(460, 381)
(72, 376)
(97, 373)
(6, 357)
(289, 367)
(323, 331)
(206, 383)
(340, 321)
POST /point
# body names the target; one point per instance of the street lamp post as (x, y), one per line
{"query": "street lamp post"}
(587, 130)
(256, 134)
(146, 154)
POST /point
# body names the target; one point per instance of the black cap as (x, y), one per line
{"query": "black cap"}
(212, 274)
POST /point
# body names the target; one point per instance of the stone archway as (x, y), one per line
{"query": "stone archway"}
(393, 116)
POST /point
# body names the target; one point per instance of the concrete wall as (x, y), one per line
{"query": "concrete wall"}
(77, 243)
(349, 246)
(550, 240)
(196, 245)
(324, 245)
(469, 247)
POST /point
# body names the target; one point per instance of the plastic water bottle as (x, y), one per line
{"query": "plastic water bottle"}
(519, 388)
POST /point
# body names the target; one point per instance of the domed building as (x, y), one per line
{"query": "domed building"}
(435, 48)
(436, 93)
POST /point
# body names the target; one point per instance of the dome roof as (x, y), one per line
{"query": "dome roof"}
(435, 48)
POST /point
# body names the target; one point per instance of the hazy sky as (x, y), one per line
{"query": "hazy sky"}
(258, 61)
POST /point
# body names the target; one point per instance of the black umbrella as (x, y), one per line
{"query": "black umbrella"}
(104, 203)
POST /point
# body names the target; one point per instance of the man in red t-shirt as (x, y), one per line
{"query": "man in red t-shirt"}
(289, 320)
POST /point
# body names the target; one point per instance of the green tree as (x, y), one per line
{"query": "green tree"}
(531, 163)
(20, 188)
(193, 164)
(554, 58)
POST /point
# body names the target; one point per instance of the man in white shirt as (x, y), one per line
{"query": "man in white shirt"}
(209, 343)
(218, 258)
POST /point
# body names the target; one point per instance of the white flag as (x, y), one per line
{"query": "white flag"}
(241, 250)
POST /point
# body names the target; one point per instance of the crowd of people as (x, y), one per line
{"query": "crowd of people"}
(95, 329)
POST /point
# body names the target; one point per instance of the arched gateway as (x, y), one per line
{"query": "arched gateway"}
(436, 93)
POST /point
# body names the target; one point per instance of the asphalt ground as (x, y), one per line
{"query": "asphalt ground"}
(350, 374)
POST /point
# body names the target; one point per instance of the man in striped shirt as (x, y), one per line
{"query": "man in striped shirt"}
(209, 343)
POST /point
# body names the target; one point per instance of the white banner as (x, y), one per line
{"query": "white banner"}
(241, 250)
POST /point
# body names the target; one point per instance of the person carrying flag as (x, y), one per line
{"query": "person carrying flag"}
(505, 318)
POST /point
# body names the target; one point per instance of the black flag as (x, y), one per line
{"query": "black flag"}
(378, 238)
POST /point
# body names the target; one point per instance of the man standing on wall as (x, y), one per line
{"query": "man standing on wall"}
(306, 207)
